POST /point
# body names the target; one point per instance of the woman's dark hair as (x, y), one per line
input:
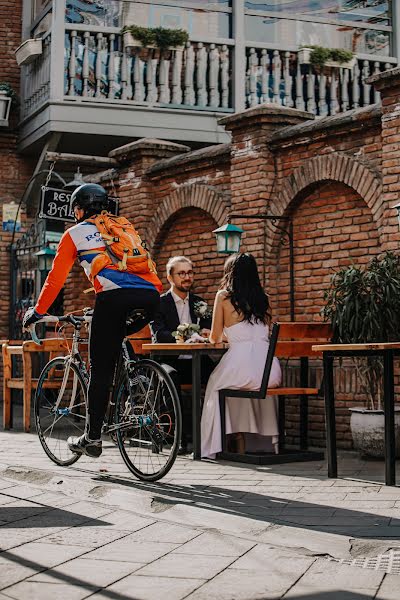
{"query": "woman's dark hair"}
(242, 282)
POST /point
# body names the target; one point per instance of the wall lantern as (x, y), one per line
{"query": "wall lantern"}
(77, 181)
(228, 238)
(45, 258)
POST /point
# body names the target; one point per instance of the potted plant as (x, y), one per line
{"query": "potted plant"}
(8, 97)
(363, 305)
(319, 57)
(157, 37)
(28, 51)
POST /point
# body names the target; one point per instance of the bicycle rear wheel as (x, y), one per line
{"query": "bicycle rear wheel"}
(148, 420)
(60, 409)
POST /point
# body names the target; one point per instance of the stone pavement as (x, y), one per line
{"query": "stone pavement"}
(208, 531)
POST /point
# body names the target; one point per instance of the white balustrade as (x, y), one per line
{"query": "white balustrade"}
(197, 76)
(35, 80)
(276, 76)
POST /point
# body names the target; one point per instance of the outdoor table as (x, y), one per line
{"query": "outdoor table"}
(196, 351)
(387, 351)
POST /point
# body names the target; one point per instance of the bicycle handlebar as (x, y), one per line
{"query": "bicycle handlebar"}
(72, 319)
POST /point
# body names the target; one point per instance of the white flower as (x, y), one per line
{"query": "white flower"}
(202, 309)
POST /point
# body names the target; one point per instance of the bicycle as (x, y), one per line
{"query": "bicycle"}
(143, 418)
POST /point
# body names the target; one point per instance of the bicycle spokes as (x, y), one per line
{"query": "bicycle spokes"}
(147, 420)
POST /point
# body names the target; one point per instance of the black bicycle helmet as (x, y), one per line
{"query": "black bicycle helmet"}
(92, 198)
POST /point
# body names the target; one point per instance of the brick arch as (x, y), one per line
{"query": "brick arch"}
(334, 167)
(195, 195)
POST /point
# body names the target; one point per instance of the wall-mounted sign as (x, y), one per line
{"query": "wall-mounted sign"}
(56, 205)
(11, 220)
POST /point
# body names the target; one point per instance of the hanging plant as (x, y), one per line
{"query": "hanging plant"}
(159, 37)
(320, 57)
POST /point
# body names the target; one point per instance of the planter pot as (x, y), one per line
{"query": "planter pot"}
(303, 56)
(28, 51)
(368, 431)
(5, 104)
(132, 42)
(341, 65)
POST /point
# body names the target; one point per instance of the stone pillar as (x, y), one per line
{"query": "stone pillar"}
(253, 168)
(129, 183)
(388, 83)
(134, 190)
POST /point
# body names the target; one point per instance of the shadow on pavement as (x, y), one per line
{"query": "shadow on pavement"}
(264, 508)
(61, 577)
(41, 515)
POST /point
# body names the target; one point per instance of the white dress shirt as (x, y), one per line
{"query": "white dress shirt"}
(182, 308)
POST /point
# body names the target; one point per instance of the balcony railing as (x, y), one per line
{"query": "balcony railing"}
(99, 68)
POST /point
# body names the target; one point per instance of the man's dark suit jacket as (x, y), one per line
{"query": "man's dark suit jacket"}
(167, 320)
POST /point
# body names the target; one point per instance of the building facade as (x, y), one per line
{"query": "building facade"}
(231, 123)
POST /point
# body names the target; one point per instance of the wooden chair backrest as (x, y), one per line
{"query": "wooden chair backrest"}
(139, 338)
(296, 339)
(273, 339)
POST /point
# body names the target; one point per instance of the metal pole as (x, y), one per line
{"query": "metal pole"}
(388, 406)
(330, 417)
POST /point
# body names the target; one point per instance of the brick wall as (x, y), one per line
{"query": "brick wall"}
(332, 227)
(190, 233)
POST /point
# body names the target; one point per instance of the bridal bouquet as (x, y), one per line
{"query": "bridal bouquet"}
(185, 332)
(202, 310)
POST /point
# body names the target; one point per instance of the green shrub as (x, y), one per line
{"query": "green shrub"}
(158, 36)
(363, 305)
(6, 87)
(319, 55)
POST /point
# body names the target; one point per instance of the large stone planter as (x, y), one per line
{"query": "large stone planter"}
(368, 431)
(5, 103)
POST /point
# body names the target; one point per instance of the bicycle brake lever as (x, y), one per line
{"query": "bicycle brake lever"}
(32, 331)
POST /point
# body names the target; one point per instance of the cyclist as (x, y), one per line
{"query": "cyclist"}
(118, 293)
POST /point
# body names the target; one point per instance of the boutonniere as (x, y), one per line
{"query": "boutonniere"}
(185, 331)
(202, 310)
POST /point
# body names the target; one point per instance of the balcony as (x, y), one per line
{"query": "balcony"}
(120, 93)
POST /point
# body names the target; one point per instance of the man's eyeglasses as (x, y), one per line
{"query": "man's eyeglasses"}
(183, 274)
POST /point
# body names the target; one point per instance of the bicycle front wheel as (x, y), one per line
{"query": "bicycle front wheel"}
(60, 409)
(148, 420)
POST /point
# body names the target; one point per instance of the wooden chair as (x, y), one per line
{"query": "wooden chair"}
(295, 341)
(139, 338)
(26, 383)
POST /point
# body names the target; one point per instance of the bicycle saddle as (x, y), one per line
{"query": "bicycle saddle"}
(136, 320)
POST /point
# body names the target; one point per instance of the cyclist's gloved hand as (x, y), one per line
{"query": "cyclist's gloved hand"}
(30, 317)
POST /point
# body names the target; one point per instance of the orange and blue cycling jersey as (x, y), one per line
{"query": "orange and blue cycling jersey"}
(83, 241)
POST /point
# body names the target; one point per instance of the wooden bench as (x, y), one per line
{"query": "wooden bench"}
(288, 341)
(24, 349)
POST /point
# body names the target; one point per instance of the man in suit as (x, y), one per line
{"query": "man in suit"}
(177, 306)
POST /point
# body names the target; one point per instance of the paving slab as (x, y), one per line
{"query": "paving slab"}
(131, 550)
(98, 573)
(215, 544)
(331, 577)
(190, 566)
(38, 590)
(389, 589)
(140, 587)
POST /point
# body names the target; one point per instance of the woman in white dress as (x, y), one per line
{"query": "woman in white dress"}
(241, 316)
